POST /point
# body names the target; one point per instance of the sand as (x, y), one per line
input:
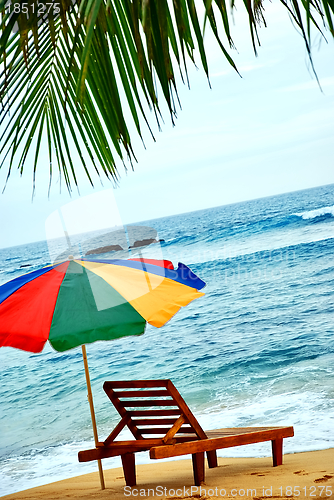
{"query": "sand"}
(303, 475)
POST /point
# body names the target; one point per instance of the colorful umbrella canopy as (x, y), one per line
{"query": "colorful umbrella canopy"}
(80, 301)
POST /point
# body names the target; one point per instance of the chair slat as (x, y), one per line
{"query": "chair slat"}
(141, 394)
(135, 384)
(154, 413)
(154, 421)
(148, 403)
(156, 430)
(164, 430)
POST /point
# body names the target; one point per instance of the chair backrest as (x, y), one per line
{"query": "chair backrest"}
(152, 408)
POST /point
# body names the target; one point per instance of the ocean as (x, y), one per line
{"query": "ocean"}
(257, 349)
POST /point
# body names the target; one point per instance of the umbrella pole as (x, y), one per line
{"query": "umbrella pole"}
(92, 413)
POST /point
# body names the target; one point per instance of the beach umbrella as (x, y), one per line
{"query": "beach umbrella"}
(80, 301)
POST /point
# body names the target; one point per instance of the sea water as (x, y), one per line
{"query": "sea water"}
(257, 349)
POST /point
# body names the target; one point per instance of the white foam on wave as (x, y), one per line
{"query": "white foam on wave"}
(43, 466)
(318, 212)
(309, 413)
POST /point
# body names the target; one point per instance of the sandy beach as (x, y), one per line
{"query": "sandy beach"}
(302, 475)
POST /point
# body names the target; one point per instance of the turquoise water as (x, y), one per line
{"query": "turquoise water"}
(257, 349)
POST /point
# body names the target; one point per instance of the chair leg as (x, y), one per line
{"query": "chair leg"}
(277, 448)
(198, 468)
(129, 468)
(212, 459)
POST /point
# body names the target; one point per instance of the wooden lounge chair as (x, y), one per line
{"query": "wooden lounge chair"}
(155, 408)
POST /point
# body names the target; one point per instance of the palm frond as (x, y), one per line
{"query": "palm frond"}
(81, 75)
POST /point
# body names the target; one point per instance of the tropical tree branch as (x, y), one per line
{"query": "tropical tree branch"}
(68, 73)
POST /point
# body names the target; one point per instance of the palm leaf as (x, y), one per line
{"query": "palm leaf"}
(93, 72)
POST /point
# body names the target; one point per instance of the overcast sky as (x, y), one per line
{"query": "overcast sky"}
(269, 132)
